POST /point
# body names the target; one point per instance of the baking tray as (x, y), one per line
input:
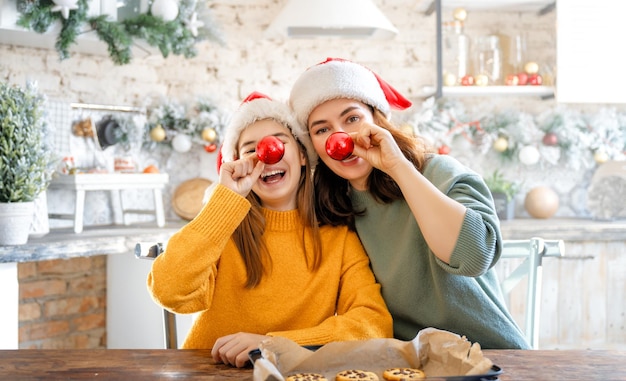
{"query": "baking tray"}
(491, 375)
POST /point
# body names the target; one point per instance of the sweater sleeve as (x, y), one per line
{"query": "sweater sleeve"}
(182, 278)
(479, 244)
(361, 312)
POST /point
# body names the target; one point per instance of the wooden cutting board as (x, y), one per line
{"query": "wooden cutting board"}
(187, 198)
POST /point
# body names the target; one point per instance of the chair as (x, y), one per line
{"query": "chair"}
(148, 251)
(532, 251)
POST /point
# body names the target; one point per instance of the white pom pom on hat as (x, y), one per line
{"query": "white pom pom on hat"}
(258, 106)
(340, 78)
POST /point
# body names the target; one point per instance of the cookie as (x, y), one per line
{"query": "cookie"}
(403, 374)
(306, 377)
(356, 374)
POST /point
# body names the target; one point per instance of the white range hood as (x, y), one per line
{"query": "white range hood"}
(358, 19)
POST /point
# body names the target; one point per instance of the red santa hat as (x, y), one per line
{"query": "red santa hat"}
(256, 107)
(339, 78)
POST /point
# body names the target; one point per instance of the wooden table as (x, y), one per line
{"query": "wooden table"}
(136, 365)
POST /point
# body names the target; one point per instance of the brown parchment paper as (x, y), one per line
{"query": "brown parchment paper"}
(438, 353)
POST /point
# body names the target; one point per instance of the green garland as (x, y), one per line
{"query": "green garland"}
(168, 37)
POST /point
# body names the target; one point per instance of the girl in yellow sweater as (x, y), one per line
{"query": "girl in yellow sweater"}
(254, 262)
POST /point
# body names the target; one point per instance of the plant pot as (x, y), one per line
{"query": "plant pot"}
(15, 219)
(505, 208)
(40, 223)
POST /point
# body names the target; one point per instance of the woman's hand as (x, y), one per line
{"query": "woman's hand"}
(240, 175)
(376, 145)
(233, 349)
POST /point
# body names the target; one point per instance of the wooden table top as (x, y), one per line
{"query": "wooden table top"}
(155, 364)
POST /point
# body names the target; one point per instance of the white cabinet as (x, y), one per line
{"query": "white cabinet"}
(590, 57)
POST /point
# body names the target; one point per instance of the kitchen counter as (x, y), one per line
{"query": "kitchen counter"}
(120, 239)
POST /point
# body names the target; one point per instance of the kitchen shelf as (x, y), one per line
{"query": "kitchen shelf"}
(543, 92)
(539, 6)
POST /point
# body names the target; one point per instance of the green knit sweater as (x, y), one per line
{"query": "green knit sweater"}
(202, 271)
(420, 290)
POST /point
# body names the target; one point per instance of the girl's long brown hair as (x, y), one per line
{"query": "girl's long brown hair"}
(249, 239)
(333, 204)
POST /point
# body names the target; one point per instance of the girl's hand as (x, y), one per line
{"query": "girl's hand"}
(376, 145)
(240, 175)
(233, 349)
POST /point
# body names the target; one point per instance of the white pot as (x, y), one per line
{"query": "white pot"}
(15, 219)
(40, 224)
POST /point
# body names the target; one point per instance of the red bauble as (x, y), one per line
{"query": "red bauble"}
(550, 139)
(210, 147)
(535, 80)
(339, 146)
(522, 79)
(468, 80)
(511, 80)
(270, 150)
(444, 150)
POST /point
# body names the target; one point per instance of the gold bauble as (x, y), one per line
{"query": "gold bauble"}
(449, 79)
(481, 80)
(407, 129)
(541, 202)
(501, 144)
(157, 133)
(600, 156)
(460, 14)
(531, 67)
(209, 134)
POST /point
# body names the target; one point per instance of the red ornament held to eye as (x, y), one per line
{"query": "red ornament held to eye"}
(339, 146)
(270, 150)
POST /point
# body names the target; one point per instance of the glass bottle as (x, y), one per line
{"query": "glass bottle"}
(455, 53)
(488, 67)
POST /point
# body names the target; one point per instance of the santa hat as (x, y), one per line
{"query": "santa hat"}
(256, 107)
(339, 78)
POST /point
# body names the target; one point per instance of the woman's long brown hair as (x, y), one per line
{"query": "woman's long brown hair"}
(249, 239)
(333, 204)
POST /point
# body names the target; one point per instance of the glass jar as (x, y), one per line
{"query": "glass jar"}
(488, 57)
(455, 53)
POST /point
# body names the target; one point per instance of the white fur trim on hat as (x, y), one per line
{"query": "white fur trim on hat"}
(333, 80)
(261, 109)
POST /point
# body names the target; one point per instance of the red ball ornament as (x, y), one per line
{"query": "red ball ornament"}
(522, 79)
(339, 145)
(270, 150)
(444, 150)
(550, 139)
(210, 148)
(535, 79)
(467, 80)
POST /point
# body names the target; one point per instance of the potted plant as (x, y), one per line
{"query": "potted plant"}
(503, 192)
(26, 159)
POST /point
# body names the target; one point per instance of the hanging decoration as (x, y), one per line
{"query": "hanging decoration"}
(171, 26)
(183, 125)
(557, 137)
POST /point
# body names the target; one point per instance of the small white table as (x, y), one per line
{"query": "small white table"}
(115, 182)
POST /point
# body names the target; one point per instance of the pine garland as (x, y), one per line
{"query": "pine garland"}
(172, 37)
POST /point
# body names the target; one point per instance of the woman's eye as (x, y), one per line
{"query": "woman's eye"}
(321, 130)
(353, 119)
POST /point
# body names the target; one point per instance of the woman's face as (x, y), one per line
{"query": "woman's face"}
(341, 115)
(278, 185)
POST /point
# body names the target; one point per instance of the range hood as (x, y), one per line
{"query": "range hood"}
(358, 19)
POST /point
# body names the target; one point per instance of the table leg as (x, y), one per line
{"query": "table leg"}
(79, 211)
(158, 207)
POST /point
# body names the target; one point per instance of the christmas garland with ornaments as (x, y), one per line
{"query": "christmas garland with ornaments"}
(557, 137)
(171, 26)
(182, 125)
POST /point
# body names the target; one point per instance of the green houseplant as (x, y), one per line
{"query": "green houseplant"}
(503, 192)
(26, 159)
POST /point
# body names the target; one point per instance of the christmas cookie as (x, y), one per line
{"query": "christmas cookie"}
(355, 374)
(403, 374)
(306, 377)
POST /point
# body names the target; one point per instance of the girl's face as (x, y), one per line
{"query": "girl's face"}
(341, 115)
(278, 185)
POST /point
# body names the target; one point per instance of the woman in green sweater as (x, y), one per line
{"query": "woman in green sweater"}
(254, 262)
(427, 222)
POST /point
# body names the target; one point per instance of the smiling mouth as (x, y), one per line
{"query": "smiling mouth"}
(272, 176)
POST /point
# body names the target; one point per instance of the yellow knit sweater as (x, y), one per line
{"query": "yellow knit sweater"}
(202, 271)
